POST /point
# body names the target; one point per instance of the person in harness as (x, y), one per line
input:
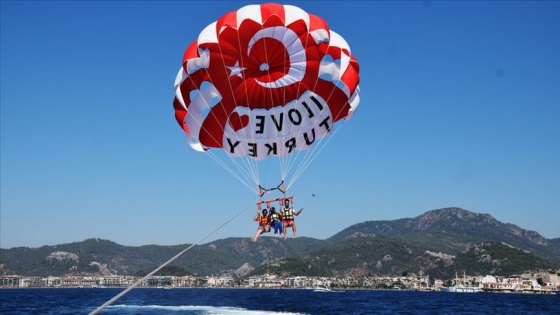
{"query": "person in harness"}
(264, 224)
(276, 222)
(288, 213)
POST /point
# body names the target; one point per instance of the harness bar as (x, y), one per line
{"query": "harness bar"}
(279, 199)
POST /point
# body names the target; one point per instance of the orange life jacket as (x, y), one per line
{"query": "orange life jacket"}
(263, 220)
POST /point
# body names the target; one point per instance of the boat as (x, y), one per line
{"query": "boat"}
(321, 289)
(461, 289)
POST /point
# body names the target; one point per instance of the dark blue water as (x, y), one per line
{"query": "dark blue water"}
(284, 301)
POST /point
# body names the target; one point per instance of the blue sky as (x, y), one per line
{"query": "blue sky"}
(460, 106)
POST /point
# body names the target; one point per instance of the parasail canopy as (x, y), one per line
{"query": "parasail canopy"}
(265, 82)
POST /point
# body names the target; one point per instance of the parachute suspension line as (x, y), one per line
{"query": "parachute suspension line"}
(135, 284)
(281, 161)
(243, 175)
(251, 164)
(226, 167)
(310, 155)
(292, 159)
(303, 166)
(272, 105)
(246, 180)
(222, 163)
(303, 162)
(248, 166)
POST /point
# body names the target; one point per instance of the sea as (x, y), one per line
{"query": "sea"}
(178, 301)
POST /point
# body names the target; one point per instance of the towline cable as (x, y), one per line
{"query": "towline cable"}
(135, 284)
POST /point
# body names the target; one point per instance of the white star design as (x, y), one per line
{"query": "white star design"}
(236, 70)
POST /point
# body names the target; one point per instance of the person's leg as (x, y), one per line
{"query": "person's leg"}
(294, 229)
(277, 228)
(259, 231)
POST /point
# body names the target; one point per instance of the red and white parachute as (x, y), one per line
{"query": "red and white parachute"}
(265, 83)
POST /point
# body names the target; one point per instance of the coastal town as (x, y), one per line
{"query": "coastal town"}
(543, 283)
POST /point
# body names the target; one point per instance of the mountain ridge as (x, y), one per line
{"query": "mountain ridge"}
(432, 241)
(439, 228)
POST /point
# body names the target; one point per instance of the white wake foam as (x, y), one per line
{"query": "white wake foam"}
(198, 309)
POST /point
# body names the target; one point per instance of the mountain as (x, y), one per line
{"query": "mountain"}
(439, 242)
(379, 257)
(450, 230)
(96, 256)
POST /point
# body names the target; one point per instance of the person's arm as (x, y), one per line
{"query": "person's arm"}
(297, 213)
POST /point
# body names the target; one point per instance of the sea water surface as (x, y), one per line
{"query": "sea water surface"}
(270, 301)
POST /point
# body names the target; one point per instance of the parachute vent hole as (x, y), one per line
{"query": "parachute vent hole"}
(264, 67)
